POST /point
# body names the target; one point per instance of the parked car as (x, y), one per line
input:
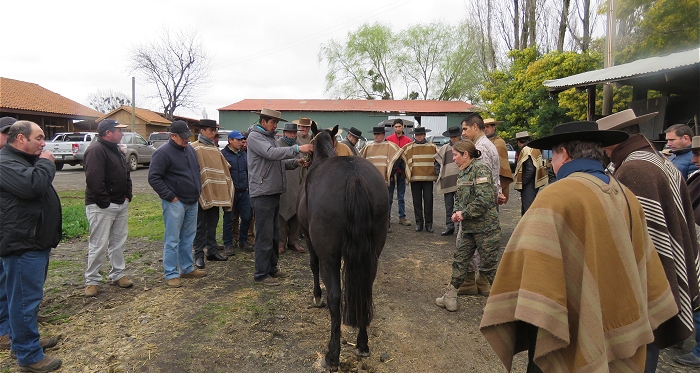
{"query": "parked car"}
(223, 139)
(158, 138)
(69, 147)
(137, 150)
(439, 140)
(511, 157)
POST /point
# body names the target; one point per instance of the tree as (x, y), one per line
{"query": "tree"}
(107, 100)
(177, 65)
(518, 97)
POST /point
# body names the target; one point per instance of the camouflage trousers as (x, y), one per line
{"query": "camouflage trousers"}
(486, 244)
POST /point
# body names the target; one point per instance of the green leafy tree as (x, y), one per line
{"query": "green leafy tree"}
(518, 97)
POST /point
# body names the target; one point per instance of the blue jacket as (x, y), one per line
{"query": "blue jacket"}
(239, 167)
(683, 160)
(174, 172)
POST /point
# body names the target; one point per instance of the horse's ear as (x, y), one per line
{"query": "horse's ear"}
(314, 128)
(334, 131)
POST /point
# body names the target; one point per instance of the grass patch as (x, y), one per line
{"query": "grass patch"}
(145, 216)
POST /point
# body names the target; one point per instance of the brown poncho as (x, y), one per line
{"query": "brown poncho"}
(580, 266)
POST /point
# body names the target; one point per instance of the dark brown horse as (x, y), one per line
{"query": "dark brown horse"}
(344, 214)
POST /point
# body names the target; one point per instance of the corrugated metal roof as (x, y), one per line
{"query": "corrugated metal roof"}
(19, 95)
(633, 69)
(390, 106)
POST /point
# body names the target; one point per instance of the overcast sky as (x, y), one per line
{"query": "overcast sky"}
(258, 49)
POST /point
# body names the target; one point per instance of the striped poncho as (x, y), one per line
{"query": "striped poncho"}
(419, 161)
(581, 268)
(383, 155)
(217, 185)
(664, 196)
(447, 179)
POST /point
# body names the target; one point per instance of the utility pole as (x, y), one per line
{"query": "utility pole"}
(609, 58)
(133, 103)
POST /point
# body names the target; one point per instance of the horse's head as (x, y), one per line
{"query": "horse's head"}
(324, 141)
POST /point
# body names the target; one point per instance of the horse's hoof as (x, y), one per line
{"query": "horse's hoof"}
(324, 364)
(361, 354)
(319, 303)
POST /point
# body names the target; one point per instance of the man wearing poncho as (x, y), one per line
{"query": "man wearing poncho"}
(580, 285)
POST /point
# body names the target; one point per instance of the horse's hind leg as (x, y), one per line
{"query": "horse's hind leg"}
(331, 277)
(362, 347)
(313, 263)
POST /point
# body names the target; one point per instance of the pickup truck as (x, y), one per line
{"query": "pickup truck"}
(69, 147)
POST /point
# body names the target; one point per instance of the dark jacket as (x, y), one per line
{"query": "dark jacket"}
(238, 167)
(106, 175)
(30, 210)
(174, 172)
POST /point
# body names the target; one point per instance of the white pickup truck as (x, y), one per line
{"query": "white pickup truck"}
(69, 147)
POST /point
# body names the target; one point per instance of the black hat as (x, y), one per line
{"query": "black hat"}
(582, 131)
(419, 130)
(181, 129)
(380, 129)
(290, 127)
(6, 123)
(208, 123)
(355, 132)
(108, 125)
(452, 132)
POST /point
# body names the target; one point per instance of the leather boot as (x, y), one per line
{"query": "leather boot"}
(483, 285)
(449, 300)
(469, 285)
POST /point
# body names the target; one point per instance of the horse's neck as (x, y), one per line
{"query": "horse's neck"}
(324, 151)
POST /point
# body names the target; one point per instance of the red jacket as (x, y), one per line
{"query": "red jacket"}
(402, 141)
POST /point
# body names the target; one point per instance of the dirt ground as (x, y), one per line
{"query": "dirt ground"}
(227, 323)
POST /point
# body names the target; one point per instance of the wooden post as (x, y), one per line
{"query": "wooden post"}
(591, 102)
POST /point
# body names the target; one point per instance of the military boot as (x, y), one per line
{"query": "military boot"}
(449, 300)
(483, 285)
(469, 285)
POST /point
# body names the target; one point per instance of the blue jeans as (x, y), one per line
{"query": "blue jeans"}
(696, 321)
(26, 274)
(267, 235)
(241, 205)
(4, 317)
(180, 228)
(400, 193)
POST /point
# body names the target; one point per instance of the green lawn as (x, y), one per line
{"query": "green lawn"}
(145, 216)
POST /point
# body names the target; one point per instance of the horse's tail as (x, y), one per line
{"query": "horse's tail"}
(359, 256)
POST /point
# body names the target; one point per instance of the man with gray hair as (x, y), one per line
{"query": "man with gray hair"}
(679, 138)
(30, 211)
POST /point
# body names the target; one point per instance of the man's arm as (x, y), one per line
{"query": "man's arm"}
(156, 171)
(264, 149)
(95, 178)
(27, 182)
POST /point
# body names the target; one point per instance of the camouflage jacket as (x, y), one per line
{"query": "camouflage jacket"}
(476, 198)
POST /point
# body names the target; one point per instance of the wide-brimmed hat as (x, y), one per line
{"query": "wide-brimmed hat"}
(419, 130)
(380, 129)
(355, 132)
(302, 122)
(696, 143)
(623, 119)
(581, 131)
(180, 128)
(6, 123)
(522, 135)
(290, 127)
(453, 131)
(208, 123)
(269, 113)
(491, 121)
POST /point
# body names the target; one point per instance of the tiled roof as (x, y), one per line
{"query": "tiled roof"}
(390, 106)
(19, 95)
(144, 114)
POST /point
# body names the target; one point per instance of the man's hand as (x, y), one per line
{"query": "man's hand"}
(501, 198)
(46, 154)
(306, 148)
(174, 200)
(457, 217)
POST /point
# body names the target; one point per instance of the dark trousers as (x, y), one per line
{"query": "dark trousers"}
(422, 192)
(207, 221)
(449, 206)
(267, 234)
(241, 208)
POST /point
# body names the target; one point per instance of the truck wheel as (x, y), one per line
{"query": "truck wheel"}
(59, 166)
(133, 162)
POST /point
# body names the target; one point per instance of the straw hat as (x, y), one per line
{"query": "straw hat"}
(269, 113)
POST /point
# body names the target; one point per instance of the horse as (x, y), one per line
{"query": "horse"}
(343, 212)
